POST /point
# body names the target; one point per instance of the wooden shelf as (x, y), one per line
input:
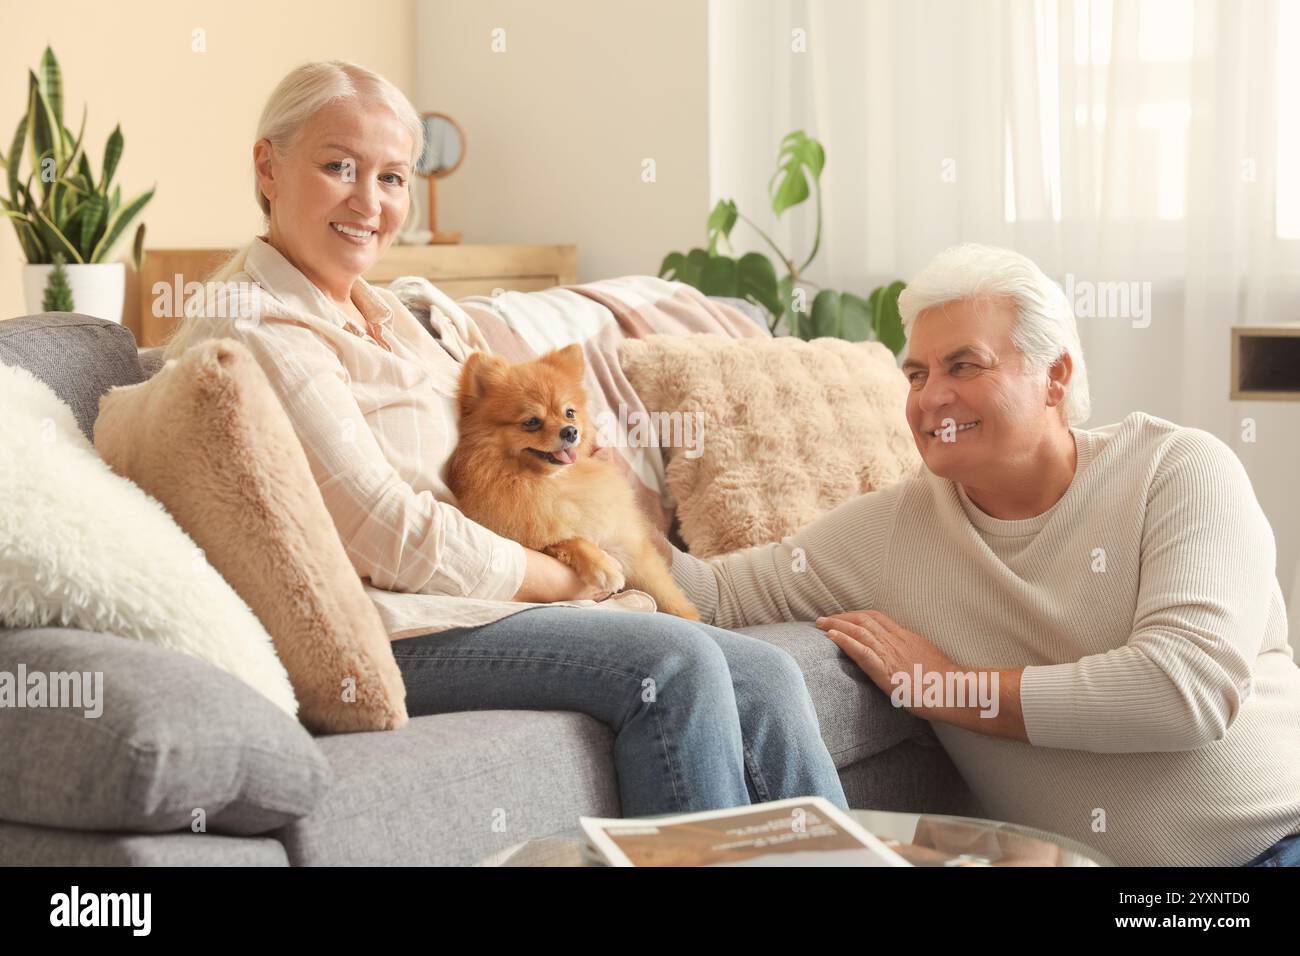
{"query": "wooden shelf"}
(458, 270)
(1266, 363)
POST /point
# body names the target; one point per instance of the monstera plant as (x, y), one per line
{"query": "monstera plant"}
(752, 276)
(60, 208)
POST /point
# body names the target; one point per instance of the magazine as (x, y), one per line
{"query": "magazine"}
(800, 831)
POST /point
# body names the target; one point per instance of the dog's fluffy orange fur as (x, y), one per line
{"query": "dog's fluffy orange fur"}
(523, 468)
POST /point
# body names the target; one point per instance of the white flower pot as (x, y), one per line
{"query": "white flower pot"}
(97, 289)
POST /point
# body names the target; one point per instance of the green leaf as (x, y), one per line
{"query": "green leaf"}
(824, 319)
(697, 260)
(855, 319)
(847, 316)
(668, 269)
(70, 225)
(721, 221)
(76, 185)
(756, 281)
(800, 159)
(92, 221)
(119, 222)
(16, 153)
(24, 189)
(792, 190)
(676, 268)
(36, 113)
(47, 135)
(55, 203)
(84, 171)
(719, 277)
(687, 268)
(60, 204)
(112, 153)
(33, 248)
(806, 149)
(74, 152)
(52, 86)
(886, 321)
(137, 248)
(54, 240)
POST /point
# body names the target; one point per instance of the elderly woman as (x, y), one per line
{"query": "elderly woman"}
(1112, 589)
(702, 718)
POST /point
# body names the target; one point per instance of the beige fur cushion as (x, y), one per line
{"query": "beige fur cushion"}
(791, 429)
(208, 438)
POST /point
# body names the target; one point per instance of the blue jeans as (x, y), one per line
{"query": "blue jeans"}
(1285, 852)
(703, 718)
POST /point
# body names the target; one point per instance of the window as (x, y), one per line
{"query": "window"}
(1151, 182)
(1288, 121)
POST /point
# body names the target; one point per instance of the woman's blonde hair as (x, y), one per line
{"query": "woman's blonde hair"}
(299, 96)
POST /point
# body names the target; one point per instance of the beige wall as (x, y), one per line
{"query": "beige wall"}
(557, 126)
(188, 118)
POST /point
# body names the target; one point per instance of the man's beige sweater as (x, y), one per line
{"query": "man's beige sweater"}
(1160, 694)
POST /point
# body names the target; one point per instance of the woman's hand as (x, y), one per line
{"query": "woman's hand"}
(547, 580)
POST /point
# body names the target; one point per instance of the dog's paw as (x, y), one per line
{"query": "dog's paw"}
(606, 575)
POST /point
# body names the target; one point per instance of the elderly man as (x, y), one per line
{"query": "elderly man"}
(1112, 590)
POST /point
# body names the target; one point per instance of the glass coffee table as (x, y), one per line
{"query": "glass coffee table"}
(923, 839)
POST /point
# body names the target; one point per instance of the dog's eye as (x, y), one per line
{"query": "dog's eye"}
(533, 424)
(569, 413)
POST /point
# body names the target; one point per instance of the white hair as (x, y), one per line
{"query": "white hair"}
(296, 99)
(1045, 328)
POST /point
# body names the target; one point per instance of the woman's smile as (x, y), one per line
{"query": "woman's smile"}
(357, 235)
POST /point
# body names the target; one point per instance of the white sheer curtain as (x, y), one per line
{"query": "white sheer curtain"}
(1130, 143)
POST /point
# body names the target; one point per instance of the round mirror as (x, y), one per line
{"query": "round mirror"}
(444, 146)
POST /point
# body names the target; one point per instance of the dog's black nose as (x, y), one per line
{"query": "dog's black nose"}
(569, 433)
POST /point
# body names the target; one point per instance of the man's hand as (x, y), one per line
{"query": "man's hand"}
(882, 648)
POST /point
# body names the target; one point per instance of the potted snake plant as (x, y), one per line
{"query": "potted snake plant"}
(61, 209)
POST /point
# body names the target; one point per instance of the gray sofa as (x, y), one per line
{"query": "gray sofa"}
(181, 740)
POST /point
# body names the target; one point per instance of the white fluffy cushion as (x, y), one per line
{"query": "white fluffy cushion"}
(82, 547)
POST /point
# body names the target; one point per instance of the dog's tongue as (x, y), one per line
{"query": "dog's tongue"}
(566, 455)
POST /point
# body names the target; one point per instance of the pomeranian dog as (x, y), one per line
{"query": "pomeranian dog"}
(523, 468)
